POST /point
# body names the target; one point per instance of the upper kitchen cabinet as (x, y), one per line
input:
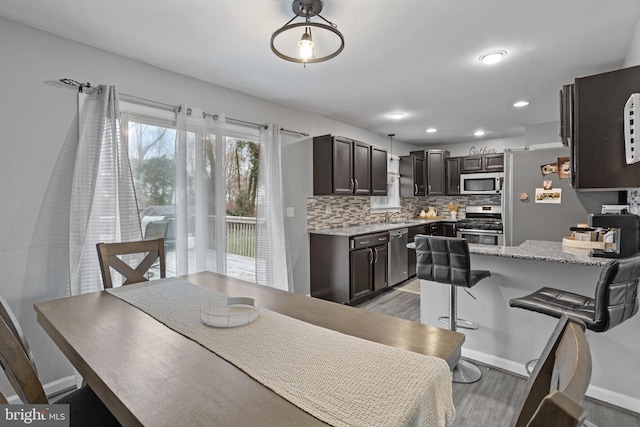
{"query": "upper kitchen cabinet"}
(452, 176)
(436, 182)
(482, 163)
(592, 123)
(342, 166)
(412, 175)
(378, 171)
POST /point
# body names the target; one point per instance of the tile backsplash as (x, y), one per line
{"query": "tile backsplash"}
(633, 199)
(345, 211)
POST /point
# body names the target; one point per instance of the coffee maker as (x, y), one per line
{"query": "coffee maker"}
(626, 228)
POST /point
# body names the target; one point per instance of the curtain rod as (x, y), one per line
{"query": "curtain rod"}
(83, 86)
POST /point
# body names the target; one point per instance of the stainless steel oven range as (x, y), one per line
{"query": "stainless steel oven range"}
(482, 225)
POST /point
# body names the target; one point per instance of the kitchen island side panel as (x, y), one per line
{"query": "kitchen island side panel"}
(508, 337)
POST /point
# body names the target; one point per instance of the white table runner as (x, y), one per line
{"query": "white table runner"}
(340, 379)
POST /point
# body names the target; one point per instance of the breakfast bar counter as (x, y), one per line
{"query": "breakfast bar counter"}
(509, 337)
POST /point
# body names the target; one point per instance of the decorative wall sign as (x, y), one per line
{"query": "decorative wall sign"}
(548, 196)
(481, 150)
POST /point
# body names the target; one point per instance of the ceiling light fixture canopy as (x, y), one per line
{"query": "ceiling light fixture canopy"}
(307, 9)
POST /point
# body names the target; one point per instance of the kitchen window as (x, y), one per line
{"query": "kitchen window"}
(390, 202)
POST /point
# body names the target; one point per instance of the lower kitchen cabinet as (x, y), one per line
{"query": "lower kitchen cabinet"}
(348, 269)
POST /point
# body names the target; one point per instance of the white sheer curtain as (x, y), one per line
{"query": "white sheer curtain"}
(272, 254)
(200, 191)
(103, 202)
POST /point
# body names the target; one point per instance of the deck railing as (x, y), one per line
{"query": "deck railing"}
(241, 235)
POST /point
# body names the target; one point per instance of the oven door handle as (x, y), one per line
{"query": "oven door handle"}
(471, 231)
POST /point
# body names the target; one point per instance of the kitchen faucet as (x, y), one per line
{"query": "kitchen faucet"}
(387, 216)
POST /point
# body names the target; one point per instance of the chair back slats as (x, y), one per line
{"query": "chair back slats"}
(18, 368)
(565, 368)
(108, 255)
(9, 318)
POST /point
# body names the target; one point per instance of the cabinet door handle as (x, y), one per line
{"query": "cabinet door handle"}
(371, 253)
(375, 250)
(429, 186)
(351, 185)
(356, 187)
(416, 188)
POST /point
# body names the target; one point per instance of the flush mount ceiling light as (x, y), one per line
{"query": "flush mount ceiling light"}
(397, 115)
(329, 42)
(521, 104)
(432, 130)
(479, 132)
(492, 57)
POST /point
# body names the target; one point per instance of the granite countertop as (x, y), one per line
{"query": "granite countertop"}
(358, 230)
(539, 250)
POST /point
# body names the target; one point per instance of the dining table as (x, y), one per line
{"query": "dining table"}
(151, 372)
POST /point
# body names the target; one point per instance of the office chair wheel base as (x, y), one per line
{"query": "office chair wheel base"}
(464, 324)
(465, 372)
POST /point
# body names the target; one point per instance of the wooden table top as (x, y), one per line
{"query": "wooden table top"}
(149, 375)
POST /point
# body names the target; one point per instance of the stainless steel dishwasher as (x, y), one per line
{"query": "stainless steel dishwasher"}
(398, 263)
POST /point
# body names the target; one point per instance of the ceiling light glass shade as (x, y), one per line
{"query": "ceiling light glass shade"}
(520, 104)
(396, 115)
(492, 57)
(327, 41)
(479, 133)
(432, 130)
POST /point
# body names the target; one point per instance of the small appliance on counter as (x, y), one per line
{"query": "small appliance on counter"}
(623, 229)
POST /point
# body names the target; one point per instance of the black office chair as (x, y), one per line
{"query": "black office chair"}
(615, 301)
(446, 260)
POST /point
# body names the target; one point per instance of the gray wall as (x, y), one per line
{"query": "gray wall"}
(36, 164)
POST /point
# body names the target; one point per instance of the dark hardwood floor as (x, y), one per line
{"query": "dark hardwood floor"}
(491, 401)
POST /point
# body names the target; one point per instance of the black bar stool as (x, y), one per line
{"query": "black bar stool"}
(615, 300)
(446, 260)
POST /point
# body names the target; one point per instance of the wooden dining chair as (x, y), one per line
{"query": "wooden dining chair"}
(109, 255)
(559, 381)
(10, 319)
(85, 408)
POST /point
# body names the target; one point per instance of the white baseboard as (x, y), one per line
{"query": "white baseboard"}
(595, 392)
(52, 388)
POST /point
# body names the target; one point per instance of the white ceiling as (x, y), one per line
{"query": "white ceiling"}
(415, 56)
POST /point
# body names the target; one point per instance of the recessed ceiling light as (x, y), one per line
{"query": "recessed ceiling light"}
(521, 104)
(492, 57)
(479, 132)
(432, 130)
(397, 115)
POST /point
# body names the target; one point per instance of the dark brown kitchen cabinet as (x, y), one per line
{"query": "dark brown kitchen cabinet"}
(412, 176)
(368, 271)
(341, 166)
(592, 124)
(411, 253)
(348, 269)
(482, 163)
(452, 176)
(435, 163)
(378, 171)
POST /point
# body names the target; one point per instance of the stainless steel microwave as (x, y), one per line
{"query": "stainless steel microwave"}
(481, 183)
